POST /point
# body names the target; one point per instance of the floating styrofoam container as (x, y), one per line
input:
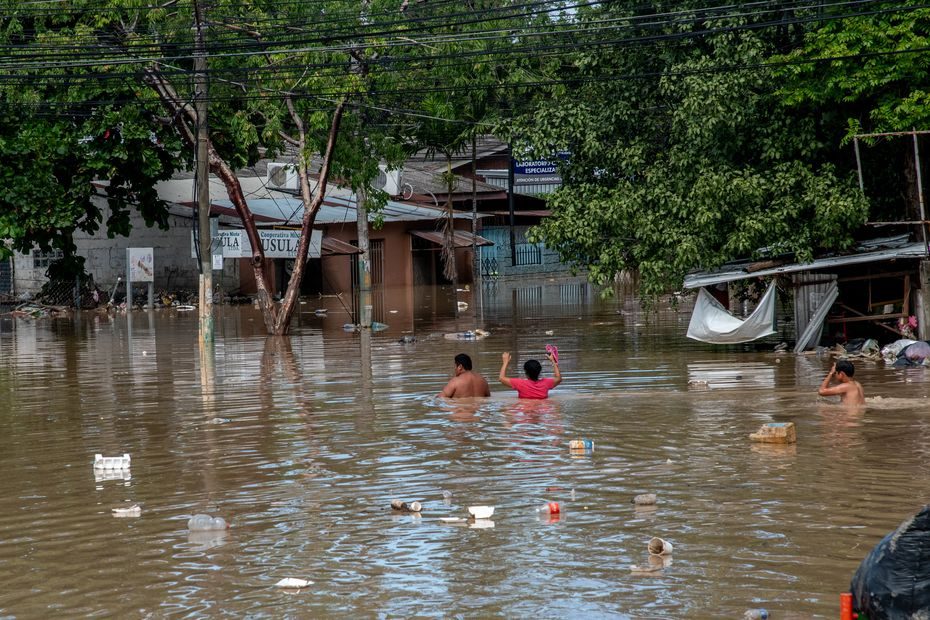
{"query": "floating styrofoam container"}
(481, 512)
(102, 475)
(111, 462)
(293, 582)
(129, 511)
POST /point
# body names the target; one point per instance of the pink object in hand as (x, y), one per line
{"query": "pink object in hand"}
(553, 350)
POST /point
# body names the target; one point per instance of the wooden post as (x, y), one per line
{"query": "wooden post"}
(923, 302)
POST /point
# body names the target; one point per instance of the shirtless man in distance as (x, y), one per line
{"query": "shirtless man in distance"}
(465, 383)
(849, 390)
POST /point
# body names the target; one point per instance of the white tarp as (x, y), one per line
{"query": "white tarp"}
(710, 321)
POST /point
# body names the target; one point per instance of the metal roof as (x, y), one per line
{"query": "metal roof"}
(461, 238)
(336, 247)
(732, 273)
(338, 210)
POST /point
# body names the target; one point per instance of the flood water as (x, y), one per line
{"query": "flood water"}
(302, 447)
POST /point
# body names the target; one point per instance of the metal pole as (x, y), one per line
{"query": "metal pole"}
(203, 179)
(858, 164)
(920, 194)
(510, 206)
(128, 284)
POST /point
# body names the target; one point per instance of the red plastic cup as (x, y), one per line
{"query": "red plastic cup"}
(846, 606)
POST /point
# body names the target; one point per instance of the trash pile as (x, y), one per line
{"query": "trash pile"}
(893, 581)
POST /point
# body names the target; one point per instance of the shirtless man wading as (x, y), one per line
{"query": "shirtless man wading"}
(465, 383)
(848, 389)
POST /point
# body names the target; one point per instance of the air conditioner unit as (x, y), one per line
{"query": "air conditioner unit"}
(389, 181)
(282, 176)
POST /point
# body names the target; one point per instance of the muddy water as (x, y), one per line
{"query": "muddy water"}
(302, 449)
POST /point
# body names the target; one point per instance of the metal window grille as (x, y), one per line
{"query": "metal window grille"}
(41, 260)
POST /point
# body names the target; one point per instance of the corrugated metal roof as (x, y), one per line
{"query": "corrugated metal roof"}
(461, 238)
(338, 210)
(336, 247)
(734, 273)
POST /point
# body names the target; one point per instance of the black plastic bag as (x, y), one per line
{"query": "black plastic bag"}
(893, 581)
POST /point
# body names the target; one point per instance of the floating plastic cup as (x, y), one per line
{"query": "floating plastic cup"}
(657, 546)
(112, 462)
(206, 523)
(551, 508)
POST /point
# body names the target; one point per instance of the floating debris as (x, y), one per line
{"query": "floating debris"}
(481, 512)
(402, 506)
(131, 511)
(657, 546)
(293, 583)
(775, 432)
(112, 462)
(646, 499)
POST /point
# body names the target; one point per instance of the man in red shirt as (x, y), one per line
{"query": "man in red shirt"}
(532, 386)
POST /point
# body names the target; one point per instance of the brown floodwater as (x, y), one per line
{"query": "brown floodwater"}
(302, 444)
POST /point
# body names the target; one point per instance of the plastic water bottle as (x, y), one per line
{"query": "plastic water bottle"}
(204, 523)
(552, 508)
(756, 614)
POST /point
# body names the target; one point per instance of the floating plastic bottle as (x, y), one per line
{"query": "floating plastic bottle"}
(206, 523)
(112, 462)
(552, 508)
(756, 614)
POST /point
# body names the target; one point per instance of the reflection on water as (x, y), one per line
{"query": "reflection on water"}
(302, 443)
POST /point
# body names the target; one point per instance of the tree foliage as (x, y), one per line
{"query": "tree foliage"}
(684, 156)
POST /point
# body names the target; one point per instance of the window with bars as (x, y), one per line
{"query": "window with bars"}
(41, 260)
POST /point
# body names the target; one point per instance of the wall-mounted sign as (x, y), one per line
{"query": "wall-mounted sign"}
(538, 171)
(276, 243)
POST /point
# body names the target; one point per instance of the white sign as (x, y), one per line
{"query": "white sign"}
(276, 243)
(217, 262)
(141, 264)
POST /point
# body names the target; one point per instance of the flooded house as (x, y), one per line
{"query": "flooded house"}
(872, 291)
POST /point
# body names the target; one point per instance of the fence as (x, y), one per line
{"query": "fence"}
(526, 259)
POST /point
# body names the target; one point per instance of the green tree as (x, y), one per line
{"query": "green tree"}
(867, 74)
(682, 155)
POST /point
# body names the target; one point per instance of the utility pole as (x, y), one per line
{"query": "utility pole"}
(364, 259)
(203, 179)
(510, 207)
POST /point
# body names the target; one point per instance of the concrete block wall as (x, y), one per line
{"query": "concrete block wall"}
(105, 258)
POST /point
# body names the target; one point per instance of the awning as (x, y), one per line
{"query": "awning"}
(460, 238)
(733, 273)
(335, 247)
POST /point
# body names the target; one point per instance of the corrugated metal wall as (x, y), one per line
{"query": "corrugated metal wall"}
(809, 291)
